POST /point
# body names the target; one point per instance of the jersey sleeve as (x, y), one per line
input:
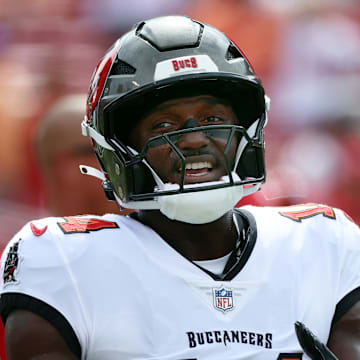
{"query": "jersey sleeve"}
(348, 282)
(35, 276)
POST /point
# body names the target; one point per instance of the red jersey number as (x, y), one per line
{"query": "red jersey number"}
(84, 225)
(312, 210)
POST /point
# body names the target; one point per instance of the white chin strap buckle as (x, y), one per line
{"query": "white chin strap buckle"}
(91, 171)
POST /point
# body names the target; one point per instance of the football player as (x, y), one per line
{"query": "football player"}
(176, 116)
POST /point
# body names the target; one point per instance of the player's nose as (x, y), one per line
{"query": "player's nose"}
(192, 140)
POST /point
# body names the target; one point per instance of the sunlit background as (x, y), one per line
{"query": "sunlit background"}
(306, 52)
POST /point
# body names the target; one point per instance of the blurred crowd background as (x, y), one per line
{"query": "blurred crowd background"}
(306, 52)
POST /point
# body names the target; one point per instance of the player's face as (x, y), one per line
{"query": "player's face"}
(204, 154)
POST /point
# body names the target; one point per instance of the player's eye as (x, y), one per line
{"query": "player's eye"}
(213, 119)
(162, 125)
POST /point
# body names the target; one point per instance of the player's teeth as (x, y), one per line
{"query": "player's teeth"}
(198, 165)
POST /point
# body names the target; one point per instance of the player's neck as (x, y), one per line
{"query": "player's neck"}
(196, 242)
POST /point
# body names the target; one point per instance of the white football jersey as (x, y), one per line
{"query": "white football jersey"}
(116, 290)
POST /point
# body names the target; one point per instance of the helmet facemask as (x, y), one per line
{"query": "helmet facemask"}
(182, 201)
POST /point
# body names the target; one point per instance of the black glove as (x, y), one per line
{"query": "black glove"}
(311, 345)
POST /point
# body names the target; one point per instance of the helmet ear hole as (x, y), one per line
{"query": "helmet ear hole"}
(251, 163)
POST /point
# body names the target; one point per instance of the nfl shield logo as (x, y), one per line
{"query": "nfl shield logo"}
(223, 299)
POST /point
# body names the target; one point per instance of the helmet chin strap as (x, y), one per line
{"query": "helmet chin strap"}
(206, 206)
(91, 171)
